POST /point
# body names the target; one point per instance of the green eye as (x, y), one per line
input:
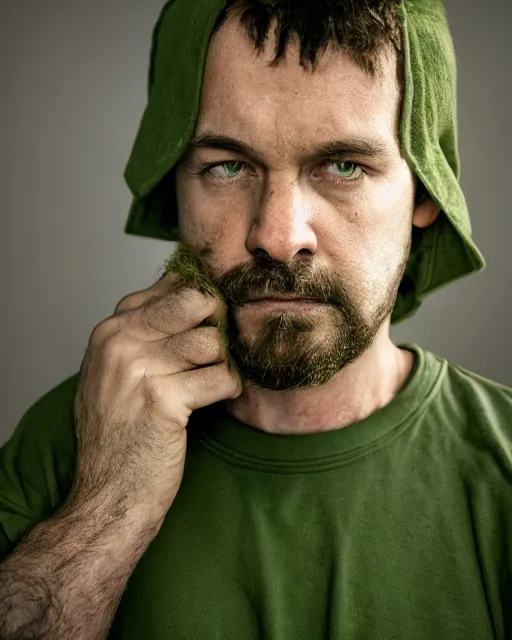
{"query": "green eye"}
(236, 170)
(346, 169)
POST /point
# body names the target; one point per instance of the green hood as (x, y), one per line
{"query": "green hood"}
(439, 254)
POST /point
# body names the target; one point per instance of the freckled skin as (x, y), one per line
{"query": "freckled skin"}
(290, 224)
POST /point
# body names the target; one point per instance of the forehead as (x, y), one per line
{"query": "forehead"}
(288, 106)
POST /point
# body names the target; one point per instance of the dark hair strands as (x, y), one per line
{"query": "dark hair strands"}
(361, 28)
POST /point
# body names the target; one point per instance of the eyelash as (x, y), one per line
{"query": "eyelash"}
(205, 169)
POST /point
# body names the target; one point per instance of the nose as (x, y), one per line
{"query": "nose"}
(281, 223)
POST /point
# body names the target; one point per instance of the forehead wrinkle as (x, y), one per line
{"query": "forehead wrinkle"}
(284, 132)
(293, 109)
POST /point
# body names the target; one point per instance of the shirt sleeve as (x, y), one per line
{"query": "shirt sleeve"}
(37, 464)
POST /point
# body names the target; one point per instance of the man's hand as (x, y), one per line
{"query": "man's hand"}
(145, 370)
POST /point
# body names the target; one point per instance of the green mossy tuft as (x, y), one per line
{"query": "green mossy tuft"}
(193, 273)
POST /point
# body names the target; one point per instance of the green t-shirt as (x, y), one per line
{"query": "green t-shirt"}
(397, 527)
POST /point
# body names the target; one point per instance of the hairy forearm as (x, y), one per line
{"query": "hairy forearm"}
(65, 579)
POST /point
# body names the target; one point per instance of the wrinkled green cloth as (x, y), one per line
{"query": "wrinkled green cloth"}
(439, 254)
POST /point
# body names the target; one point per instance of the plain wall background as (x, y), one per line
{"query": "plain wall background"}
(73, 78)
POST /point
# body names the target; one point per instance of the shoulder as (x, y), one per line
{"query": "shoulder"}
(53, 410)
(484, 395)
(478, 411)
(48, 425)
(44, 439)
(37, 462)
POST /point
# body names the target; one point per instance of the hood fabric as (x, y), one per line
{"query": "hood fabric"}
(440, 254)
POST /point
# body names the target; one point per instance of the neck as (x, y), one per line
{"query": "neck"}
(361, 388)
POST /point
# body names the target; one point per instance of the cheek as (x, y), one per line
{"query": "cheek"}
(370, 245)
(208, 227)
(197, 222)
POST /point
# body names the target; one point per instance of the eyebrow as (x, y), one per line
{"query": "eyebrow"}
(357, 146)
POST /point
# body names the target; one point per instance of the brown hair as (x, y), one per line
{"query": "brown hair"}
(361, 28)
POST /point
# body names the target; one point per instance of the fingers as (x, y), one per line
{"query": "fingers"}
(160, 311)
(133, 301)
(176, 313)
(184, 352)
(196, 389)
(138, 298)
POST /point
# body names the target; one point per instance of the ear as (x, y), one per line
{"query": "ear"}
(425, 213)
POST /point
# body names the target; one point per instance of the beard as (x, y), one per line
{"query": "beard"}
(293, 350)
(290, 350)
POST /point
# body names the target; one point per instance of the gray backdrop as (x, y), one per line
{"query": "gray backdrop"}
(73, 78)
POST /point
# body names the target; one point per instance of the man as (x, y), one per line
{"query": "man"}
(245, 453)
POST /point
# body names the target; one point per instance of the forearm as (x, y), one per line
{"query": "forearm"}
(67, 576)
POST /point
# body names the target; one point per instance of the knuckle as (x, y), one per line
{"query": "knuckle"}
(231, 382)
(237, 386)
(201, 344)
(155, 391)
(137, 369)
(134, 301)
(200, 300)
(212, 342)
(186, 298)
(118, 350)
(112, 350)
(185, 351)
(168, 280)
(233, 389)
(150, 315)
(124, 304)
(104, 331)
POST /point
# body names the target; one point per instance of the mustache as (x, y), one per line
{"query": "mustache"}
(263, 276)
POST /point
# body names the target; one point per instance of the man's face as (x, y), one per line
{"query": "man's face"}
(287, 218)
